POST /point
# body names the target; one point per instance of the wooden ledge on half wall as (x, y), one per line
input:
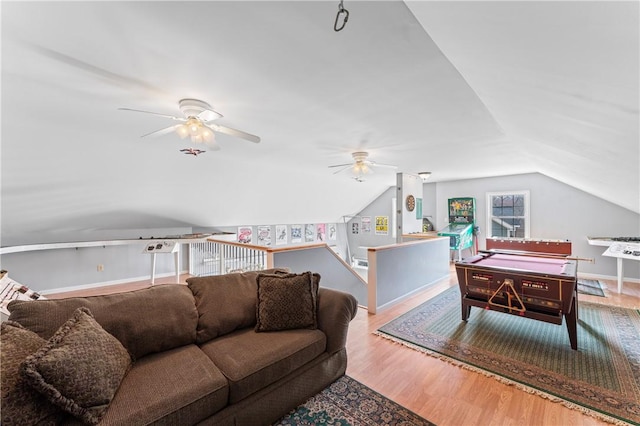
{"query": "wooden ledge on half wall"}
(420, 235)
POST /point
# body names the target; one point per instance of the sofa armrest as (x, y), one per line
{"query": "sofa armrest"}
(335, 310)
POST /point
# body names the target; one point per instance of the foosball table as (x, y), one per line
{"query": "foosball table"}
(539, 286)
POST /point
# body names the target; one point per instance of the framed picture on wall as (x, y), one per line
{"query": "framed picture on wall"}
(296, 233)
(245, 234)
(281, 235)
(366, 224)
(309, 233)
(355, 228)
(332, 231)
(321, 231)
(264, 235)
(382, 225)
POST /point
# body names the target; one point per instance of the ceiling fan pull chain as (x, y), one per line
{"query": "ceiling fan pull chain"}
(341, 10)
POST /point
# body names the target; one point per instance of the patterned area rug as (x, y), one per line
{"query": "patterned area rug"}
(349, 402)
(591, 287)
(601, 378)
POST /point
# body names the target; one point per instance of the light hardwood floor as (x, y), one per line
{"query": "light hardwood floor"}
(447, 394)
(443, 393)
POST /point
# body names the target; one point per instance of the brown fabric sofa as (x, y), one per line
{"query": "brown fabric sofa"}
(196, 356)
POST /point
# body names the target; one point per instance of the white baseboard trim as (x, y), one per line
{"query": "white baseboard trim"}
(107, 283)
(606, 277)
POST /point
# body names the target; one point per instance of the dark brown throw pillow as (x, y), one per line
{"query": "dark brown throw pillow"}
(287, 301)
(21, 404)
(80, 368)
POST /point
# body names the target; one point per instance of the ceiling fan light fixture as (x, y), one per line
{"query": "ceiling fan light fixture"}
(207, 134)
(361, 168)
(182, 130)
(196, 130)
(194, 126)
(359, 156)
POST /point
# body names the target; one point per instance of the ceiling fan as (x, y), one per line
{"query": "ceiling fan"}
(197, 123)
(361, 166)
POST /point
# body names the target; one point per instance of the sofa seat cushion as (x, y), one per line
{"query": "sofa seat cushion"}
(252, 361)
(179, 386)
(165, 316)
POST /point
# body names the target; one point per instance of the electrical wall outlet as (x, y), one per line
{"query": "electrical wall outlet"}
(100, 268)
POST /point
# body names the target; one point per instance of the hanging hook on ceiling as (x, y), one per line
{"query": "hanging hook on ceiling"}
(341, 11)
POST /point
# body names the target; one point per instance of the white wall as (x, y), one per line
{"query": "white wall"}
(395, 272)
(382, 206)
(558, 211)
(51, 270)
(409, 184)
(47, 270)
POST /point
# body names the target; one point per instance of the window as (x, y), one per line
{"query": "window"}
(508, 214)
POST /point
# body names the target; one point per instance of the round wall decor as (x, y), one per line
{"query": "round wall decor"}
(411, 202)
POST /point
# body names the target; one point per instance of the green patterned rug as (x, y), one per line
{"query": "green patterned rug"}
(349, 402)
(601, 378)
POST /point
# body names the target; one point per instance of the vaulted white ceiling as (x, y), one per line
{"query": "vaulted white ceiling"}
(461, 89)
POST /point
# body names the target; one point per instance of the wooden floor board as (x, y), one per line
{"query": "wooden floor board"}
(446, 394)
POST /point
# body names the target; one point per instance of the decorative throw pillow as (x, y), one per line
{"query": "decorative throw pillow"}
(80, 368)
(287, 301)
(21, 404)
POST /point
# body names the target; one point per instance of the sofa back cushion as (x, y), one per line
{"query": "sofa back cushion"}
(225, 302)
(150, 320)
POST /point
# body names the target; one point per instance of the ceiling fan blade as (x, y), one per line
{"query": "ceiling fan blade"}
(341, 165)
(233, 132)
(162, 132)
(155, 113)
(389, 166)
(345, 167)
(209, 115)
(120, 80)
